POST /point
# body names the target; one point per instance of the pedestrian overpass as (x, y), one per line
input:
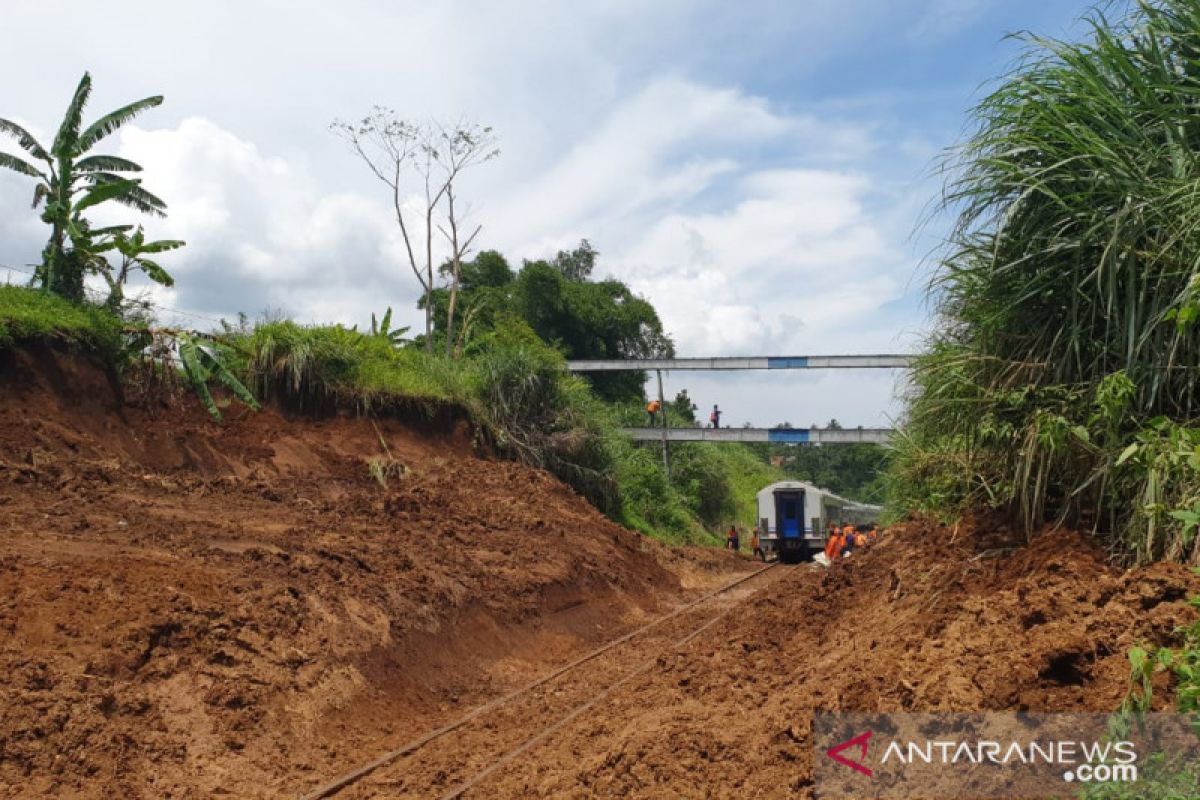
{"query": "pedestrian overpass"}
(818, 436)
(780, 435)
(890, 361)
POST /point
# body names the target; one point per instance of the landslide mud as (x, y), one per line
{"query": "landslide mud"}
(929, 619)
(190, 609)
(194, 610)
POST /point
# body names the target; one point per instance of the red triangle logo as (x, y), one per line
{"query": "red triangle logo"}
(860, 742)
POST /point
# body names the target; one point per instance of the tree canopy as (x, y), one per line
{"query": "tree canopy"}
(557, 299)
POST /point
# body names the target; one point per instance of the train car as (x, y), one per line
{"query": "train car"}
(792, 516)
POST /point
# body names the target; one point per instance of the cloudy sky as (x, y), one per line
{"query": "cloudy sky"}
(755, 169)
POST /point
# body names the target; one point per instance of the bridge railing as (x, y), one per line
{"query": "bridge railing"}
(882, 361)
(778, 435)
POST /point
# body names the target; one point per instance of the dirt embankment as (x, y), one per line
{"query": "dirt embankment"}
(930, 619)
(188, 609)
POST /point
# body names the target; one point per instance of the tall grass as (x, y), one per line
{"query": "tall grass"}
(28, 314)
(316, 364)
(518, 393)
(1058, 346)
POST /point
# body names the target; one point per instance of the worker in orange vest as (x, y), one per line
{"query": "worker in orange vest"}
(652, 408)
(848, 539)
(756, 546)
(731, 538)
(873, 534)
(860, 539)
(834, 545)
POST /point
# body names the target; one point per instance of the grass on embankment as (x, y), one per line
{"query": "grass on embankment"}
(515, 389)
(29, 314)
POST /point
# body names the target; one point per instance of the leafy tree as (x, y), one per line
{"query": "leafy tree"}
(485, 296)
(683, 408)
(576, 265)
(579, 317)
(592, 320)
(489, 269)
(133, 250)
(72, 182)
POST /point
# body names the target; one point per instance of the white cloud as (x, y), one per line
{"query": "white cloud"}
(674, 185)
(796, 262)
(944, 18)
(261, 233)
(753, 226)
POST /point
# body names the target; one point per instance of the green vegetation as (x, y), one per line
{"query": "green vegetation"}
(1159, 779)
(202, 361)
(72, 182)
(1061, 381)
(31, 315)
(854, 471)
(558, 300)
(515, 388)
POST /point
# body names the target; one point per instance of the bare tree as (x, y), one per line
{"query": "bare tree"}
(433, 156)
(455, 149)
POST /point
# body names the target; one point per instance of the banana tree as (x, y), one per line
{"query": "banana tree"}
(133, 250)
(73, 181)
(383, 329)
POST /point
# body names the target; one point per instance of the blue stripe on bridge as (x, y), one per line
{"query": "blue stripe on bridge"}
(787, 362)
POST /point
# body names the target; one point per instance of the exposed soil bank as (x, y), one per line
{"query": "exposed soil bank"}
(193, 610)
(188, 609)
(929, 619)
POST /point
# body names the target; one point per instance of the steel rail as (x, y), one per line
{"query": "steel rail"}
(562, 722)
(353, 776)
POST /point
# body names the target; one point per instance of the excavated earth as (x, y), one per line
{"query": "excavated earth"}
(193, 609)
(973, 618)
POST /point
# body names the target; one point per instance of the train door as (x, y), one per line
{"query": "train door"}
(789, 522)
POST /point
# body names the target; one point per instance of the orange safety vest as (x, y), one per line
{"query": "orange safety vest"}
(653, 406)
(833, 548)
(860, 540)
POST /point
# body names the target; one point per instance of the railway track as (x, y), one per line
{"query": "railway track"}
(451, 760)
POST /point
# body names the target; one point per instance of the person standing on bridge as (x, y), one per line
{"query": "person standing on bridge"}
(652, 409)
(715, 416)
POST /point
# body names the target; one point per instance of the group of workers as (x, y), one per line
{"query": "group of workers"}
(848, 538)
(839, 541)
(654, 406)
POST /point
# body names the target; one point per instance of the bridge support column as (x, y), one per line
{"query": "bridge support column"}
(662, 404)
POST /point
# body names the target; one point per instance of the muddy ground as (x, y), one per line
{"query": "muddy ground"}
(929, 619)
(190, 609)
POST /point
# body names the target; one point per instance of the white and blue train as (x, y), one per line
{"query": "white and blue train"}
(792, 516)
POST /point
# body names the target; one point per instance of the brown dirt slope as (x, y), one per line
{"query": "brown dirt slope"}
(190, 609)
(928, 619)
